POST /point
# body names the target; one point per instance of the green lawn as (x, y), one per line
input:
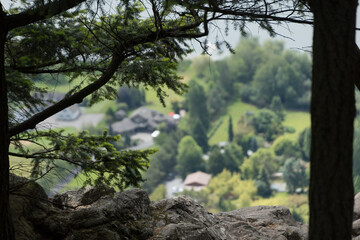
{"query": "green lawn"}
(153, 102)
(22, 166)
(297, 119)
(235, 110)
(64, 88)
(101, 107)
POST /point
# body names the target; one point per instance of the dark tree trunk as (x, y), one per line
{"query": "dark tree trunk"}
(6, 225)
(332, 114)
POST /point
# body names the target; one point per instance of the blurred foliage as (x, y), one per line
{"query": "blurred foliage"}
(225, 192)
(158, 193)
(189, 158)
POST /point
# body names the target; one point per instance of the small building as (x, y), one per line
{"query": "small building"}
(141, 120)
(126, 126)
(197, 181)
(120, 115)
(68, 114)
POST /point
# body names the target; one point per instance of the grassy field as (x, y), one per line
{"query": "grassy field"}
(101, 107)
(235, 110)
(62, 88)
(153, 102)
(22, 166)
(295, 202)
(296, 119)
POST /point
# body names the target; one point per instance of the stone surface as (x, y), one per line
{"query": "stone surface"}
(356, 227)
(264, 222)
(99, 213)
(357, 206)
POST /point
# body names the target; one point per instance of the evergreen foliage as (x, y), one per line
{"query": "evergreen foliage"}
(196, 102)
(133, 97)
(277, 107)
(305, 143)
(267, 71)
(263, 157)
(294, 175)
(286, 148)
(163, 161)
(189, 157)
(233, 157)
(230, 131)
(199, 134)
(215, 163)
(267, 122)
(97, 53)
(262, 183)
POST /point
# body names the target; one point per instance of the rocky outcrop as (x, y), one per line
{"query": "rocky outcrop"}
(356, 218)
(100, 213)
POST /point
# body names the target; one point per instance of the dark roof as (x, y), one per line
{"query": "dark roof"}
(142, 119)
(149, 114)
(126, 125)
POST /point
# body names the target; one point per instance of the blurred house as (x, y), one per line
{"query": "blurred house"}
(197, 181)
(68, 114)
(141, 120)
(120, 115)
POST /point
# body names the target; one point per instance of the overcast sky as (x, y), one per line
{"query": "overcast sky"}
(295, 36)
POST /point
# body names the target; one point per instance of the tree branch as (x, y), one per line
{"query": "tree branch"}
(118, 57)
(257, 16)
(69, 100)
(36, 14)
(29, 70)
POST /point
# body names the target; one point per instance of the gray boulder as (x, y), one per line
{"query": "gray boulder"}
(99, 213)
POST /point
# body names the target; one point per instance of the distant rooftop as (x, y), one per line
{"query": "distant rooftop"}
(197, 179)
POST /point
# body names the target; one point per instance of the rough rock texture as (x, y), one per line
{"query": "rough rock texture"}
(356, 218)
(103, 214)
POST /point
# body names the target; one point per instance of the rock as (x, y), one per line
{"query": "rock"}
(356, 227)
(263, 222)
(183, 217)
(356, 214)
(99, 213)
(82, 197)
(27, 199)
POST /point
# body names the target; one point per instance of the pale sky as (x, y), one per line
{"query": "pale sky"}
(295, 36)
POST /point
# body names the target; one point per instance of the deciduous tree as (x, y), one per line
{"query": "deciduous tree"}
(189, 158)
